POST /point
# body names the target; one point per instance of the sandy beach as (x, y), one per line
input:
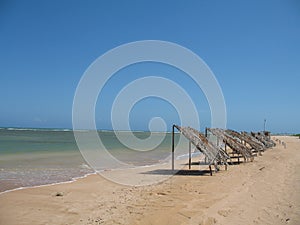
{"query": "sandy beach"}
(265, 191)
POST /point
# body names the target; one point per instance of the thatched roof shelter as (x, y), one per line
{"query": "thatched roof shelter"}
(254, 144)
(253, 140)
(213, 153)
(234, 144)
(264, 137)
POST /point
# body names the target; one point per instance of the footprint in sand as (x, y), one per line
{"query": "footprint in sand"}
(224, 212)
(208, 221)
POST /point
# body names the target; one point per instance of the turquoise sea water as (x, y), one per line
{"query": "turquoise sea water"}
(31, 157)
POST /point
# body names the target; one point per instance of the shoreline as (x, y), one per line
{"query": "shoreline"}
(180, 159)
(35, 157)
(84, 176)
(45, 185)
(265, 191)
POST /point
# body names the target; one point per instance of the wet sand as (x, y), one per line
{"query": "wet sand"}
(265, 191)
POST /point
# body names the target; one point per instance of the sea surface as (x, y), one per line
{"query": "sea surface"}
(33, 157)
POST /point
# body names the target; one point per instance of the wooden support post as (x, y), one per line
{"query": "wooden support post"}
(173, 147)
(190, 154)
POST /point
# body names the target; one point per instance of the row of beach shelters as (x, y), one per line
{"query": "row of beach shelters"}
(224, 147)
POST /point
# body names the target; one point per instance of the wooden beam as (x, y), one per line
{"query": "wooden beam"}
(173, 128)
(190, 154)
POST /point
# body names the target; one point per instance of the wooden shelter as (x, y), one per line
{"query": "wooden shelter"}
(251, 143)
(238, 149)
(254, 140)
(213, 153)
(264, 137)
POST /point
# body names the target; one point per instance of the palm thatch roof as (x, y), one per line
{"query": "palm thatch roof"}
(213, 153)
(264, 138)
(254, 143)
(232, 142)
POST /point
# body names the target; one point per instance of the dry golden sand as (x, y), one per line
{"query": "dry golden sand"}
(266, 191)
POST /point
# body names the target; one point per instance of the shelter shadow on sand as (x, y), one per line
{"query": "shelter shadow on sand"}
(178, 172)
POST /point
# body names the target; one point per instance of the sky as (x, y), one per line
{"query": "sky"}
(252, 47)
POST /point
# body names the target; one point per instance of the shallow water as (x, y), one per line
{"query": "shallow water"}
(31, 157)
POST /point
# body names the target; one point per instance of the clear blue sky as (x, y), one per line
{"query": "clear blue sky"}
(253, 48)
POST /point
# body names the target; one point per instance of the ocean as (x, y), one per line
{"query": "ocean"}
(34, 157)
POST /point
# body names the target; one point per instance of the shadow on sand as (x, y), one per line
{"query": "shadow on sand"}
(179, 172)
